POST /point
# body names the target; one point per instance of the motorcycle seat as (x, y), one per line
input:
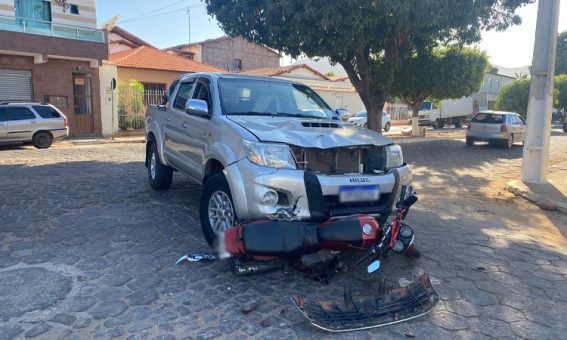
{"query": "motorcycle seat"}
(282, 239)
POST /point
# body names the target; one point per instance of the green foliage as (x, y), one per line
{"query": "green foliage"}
(444, 73)
(561, 59)
(515, 96)
(561, 90)
(130, 104)
(369, 38)
(330, 74)
(493, 69)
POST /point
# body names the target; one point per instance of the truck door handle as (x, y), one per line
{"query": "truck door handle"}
(167, 119)
(184, 125)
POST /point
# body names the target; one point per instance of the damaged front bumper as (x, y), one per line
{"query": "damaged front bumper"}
(249, 184)
(387, 308)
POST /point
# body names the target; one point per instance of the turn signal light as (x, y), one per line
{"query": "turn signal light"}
(66, 122)
(503, 128)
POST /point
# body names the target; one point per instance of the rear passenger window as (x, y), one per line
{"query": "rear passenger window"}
(20, 113)
(46, 112)
(203, 93)
(183, 95)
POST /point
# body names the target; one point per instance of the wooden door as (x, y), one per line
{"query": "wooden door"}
(82, 122)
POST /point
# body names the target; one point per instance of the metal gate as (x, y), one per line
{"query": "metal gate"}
(15, 85)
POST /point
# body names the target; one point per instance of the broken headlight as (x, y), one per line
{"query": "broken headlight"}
(271, 155)
(394, 156)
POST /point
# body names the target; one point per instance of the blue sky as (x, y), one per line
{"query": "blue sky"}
(165, 27)
(161, 28)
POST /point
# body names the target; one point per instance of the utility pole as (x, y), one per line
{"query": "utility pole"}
(188, 12)
(536, 148)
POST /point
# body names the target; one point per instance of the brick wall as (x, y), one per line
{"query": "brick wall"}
(56, 78)
(222, 52)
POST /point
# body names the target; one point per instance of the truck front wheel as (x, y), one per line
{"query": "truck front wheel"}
(159, 175)
(459, 123)
(436, 124)
(216, 208)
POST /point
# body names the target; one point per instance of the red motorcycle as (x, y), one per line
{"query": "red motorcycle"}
(260, 246)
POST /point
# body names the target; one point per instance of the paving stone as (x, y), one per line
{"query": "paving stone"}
(503, 313)
(165, 337)
(115, 332)
(479, 297)
(448, 321)
(140, 325)
(142, 297)
(30, 289)
(531, 330)
(107, 309)
(37, 330)
(64, 319)
(210, 333)
(9, 332)
(82, 323)
(80, 303)
(463, 308)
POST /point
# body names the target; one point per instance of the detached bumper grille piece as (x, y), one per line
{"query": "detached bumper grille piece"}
(394, 306)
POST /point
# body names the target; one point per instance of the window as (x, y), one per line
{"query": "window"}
(203, 93)
(237, 64)
(3, 115)
(488, 118)
(513, 120)
(267, 97)
(60, 102)
(74, 9)
(522, 120)
(38, 13)
(19, 113)
(46, 112)
(183, 95)
(82, 94)
(489, 82)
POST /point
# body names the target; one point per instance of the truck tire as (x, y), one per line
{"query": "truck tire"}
(508, 143)
(441, 123)
(216, 209)
(436, 124)
(42, 140)
(459, 123)
(159, 175)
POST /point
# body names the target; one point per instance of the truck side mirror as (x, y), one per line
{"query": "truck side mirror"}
(164, 99)
(197, 107)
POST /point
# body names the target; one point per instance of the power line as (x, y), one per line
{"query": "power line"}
(153, 11)
(158, 14)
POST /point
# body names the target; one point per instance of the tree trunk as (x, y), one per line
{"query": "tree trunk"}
(415, 120)
(374, 110)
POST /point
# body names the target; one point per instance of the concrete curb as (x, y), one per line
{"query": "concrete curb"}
(518, 188)
(96, 141)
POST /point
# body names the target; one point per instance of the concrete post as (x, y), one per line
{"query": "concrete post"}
(536, 149)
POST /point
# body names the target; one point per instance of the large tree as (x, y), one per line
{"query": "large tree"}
(561, 59)
(369, 38)
(444, 73)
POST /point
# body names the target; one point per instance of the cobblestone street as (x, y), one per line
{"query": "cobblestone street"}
(88, 250)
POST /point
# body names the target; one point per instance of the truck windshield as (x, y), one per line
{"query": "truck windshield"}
(425, 106)
(271, 98)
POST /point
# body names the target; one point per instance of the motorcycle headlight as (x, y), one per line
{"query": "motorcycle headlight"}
(394, 156)
(271, 155)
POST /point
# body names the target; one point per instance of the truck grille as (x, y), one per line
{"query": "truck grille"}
(364, 159)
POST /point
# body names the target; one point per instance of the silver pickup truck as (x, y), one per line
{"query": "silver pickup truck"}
(265, 148)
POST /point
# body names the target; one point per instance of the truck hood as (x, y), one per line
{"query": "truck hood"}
(292, 131)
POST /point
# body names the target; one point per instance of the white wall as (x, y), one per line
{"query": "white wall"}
(106, 73)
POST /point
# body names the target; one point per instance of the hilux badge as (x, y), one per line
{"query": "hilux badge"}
(359, 180)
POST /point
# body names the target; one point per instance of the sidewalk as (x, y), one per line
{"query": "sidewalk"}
(102, 140)
(548, 196)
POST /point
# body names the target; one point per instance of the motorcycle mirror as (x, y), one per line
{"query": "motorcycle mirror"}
(374, 266)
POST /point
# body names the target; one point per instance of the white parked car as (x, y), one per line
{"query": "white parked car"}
(361, 119)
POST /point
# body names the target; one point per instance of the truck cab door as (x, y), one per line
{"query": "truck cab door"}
(173, 124)
(194, 139)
